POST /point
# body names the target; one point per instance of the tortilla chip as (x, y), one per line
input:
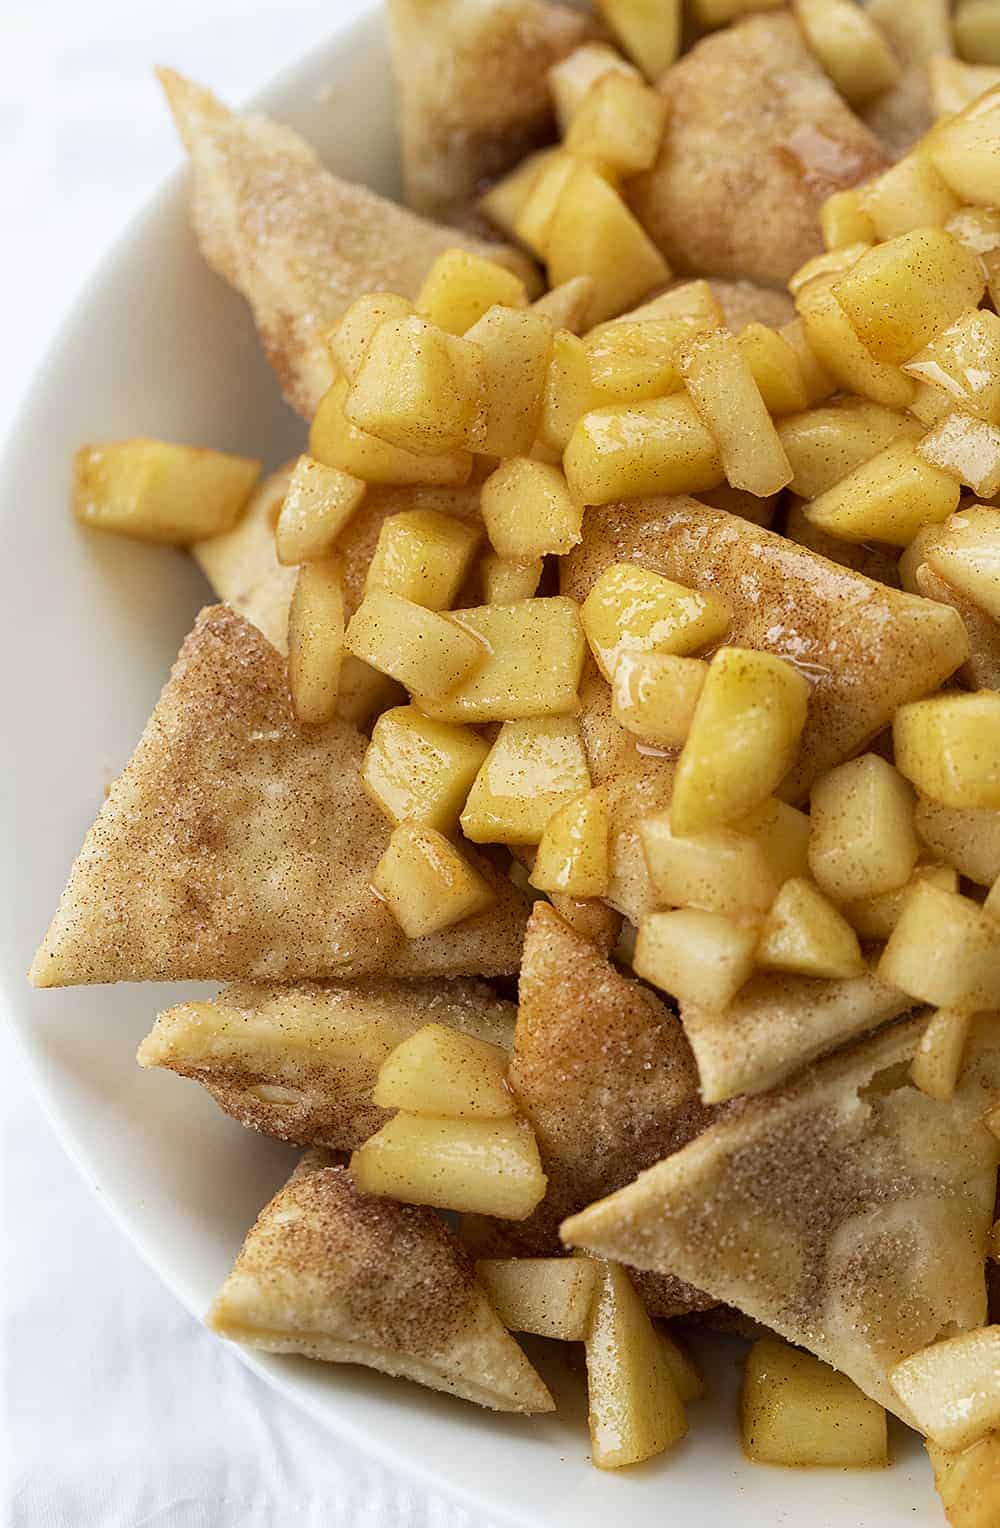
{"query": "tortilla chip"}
(298, 243)
(341, 1276)
(239, 845)
(848, 1212)
(867, 649)
(604, 1073)
(778, 1023)
(300, 1063)
(473, 93)
(757, 138)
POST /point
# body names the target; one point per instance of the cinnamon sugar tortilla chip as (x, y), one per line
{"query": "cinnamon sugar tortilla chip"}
(778, 1023)
(867, 649)
(297, 242)
(848, 1211)
(238, 844)
(604, 1073)
(341, 1276)
(300, 1063)
(757, 138)
(473, 94)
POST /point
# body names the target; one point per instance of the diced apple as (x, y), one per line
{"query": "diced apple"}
(938, 1061)
(619, 124)
(722, 388)
(418, 388)
(573, 850)
(426, 883)
(964, 151)
(504, 201)
(635, 1409)
(156, 491)
(797, 1412)
(421, 770)
(533, 769)
(820, 383)
(572, 78)
(515, 346)
(319, 502)
(654, 695)
(475, 1166)
(648, 30)
(968, 1480)
(570, 390)
(844, 220)
(509, 579)
(850, 45)
(423, 556)
(964, 360)
(722, 870)
(567, 306)
(690, 1385)
(350, 339)
(889, 498)
(952, 1388)
(534, 651)
(336, 441)
(949, 747)
(631, 610)
(546, 1296)
(832, 337)
(966, 553)
(824, 445)
(944, 950)
(593, 233)
(876, 917)
(901, 293)
(445, 1074)
(316, 640)
(743, 738)
(969, 449)
(696, 956)
(529, 511)
(461, 286)
(775, 368)
(862, 839)
(820, 271)
(977, 31)
(656, 447)
(805, 933)
(632, 360)
(423, 650)
(909, 195)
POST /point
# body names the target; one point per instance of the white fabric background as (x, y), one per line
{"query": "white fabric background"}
(117, 1410)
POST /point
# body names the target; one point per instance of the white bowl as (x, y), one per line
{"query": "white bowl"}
(157, 345)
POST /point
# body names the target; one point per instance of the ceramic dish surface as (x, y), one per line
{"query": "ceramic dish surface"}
(157, 345)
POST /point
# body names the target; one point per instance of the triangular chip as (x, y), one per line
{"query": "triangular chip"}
(602, 1070)
(918, 31)
(338, 1275)
(848, 1211)
(300, 1063)
(238, 844)
(473, 94)
(298, 243)
(778, 1023)
(757, 138)
(242, 564)
(867, 649)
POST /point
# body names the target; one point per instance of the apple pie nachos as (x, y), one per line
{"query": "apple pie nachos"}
(586, 786)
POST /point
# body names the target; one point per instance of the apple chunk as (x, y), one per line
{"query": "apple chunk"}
(445, 1074)
(475, 1166)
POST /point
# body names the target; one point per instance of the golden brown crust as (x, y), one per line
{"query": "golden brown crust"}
(757, 138)
(335, 1274)
(867, 649)
(745, 302)
(473, 93)
(604, 1073)
(298, 243)
(238, 844)
(879, 563)
(847, 1211)
(300, 1063)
